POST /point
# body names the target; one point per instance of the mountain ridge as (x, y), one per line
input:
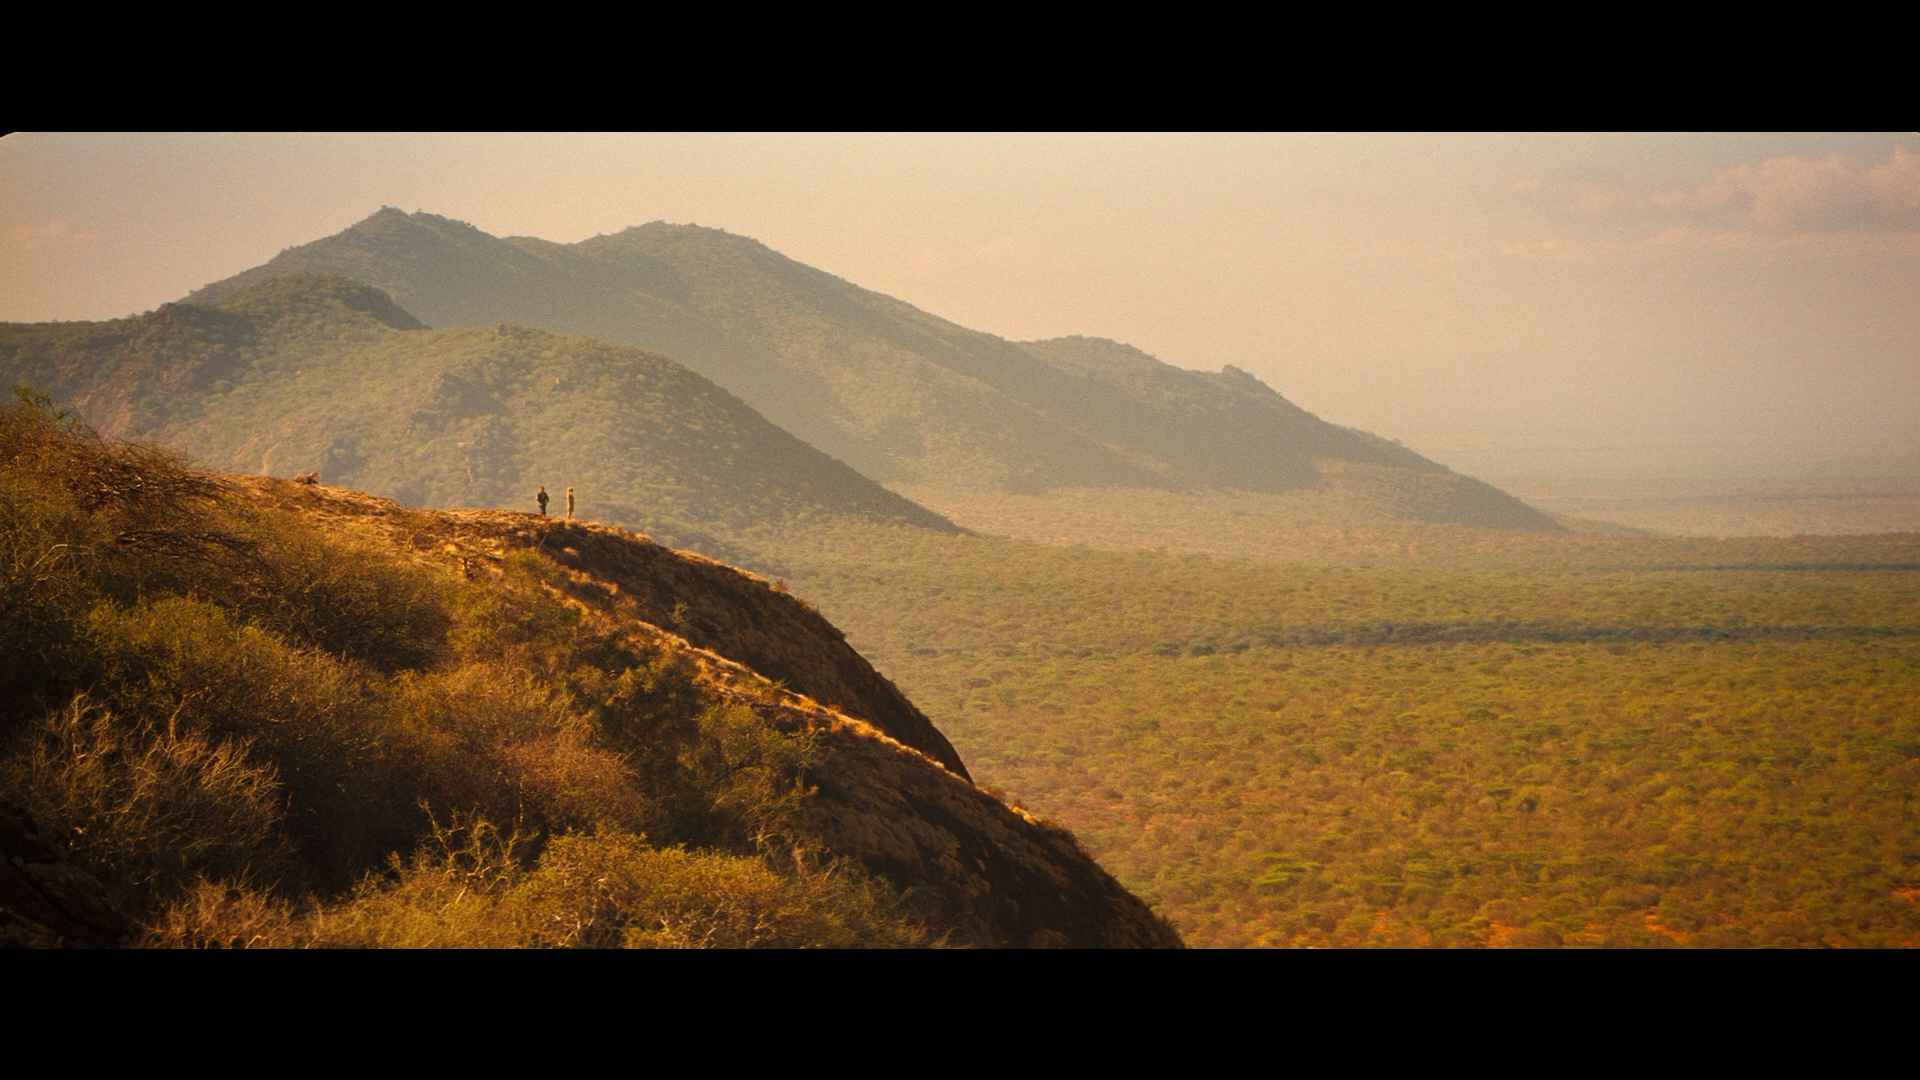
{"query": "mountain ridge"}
(901, 395)
(316, 372)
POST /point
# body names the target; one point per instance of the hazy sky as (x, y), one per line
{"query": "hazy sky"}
(1512, 305)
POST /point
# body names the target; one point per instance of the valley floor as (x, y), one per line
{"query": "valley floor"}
(1452, 737)
(1735, 508)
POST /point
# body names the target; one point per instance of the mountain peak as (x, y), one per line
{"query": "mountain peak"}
(388, 218)
(314, 371)
(901, 395)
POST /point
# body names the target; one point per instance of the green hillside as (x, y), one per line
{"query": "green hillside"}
(245, 711)
(317, 373)
(909, 399)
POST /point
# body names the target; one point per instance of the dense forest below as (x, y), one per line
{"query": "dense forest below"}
(1450, 737)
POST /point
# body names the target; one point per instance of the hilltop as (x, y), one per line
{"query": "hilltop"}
(315, 372)
(249, 711)
(918, 403)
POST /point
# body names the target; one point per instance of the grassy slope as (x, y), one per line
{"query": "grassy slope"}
(257, 712)
(904, 396)
(1483, 737)
(315, 373)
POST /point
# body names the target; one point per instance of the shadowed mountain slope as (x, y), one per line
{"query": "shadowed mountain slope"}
(910, 399)
(320, 373)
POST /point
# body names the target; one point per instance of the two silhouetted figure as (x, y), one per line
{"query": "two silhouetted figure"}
(542, 500)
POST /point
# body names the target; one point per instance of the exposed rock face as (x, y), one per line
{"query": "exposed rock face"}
(890, 791)
(1000, 877)
(732, 612)
(711, 605)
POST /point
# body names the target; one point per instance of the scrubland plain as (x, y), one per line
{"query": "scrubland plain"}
(1458, 737)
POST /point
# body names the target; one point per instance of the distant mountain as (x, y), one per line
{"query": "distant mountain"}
(314, 372)
(905, 397)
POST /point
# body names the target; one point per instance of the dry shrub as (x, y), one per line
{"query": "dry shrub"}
(455, 728)
(610, 890)
(467, 888)
(81, 518)
(135, 516)
(488, 740)
(321, 722)
(347, 597)
(150, 806)
(569, 784)
(524, 623)
(482, 706)
(446, 896)
(650, 703)
(741, 784)
(176, 652)
(217, 915)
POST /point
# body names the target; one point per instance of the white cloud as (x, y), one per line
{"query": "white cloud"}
(1790, 195)
(1793, 194)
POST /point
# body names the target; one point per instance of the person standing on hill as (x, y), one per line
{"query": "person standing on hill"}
(569, 504)
(542, 500)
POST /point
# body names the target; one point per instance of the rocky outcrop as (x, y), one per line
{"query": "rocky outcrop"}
(997, 876)
(889, 791)
(736, 614)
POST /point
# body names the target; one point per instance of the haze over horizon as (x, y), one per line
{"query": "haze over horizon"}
(1530, 309)
(1011, 541)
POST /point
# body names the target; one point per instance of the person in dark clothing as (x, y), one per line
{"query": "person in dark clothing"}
(542, 500)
